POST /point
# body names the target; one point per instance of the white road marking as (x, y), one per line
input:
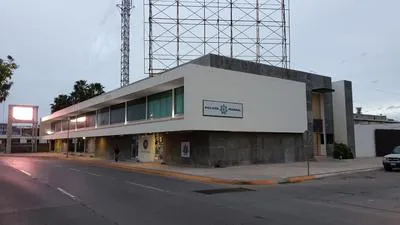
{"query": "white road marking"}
(145, 186)
(23, 171)
(65, 192)
(94, 174)
(74, 169)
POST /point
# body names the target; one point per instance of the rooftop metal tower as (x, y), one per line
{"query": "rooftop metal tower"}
(125, 7)
(177, 31)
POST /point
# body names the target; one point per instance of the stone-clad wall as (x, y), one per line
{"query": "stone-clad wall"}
(313, 81)
(233, 148)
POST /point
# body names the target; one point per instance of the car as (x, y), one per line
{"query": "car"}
(392, 160)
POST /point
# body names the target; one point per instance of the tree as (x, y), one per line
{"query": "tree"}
(61, 102)
(7, 68)
(82, 91)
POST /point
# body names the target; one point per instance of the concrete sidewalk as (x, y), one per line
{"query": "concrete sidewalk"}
(262, 174)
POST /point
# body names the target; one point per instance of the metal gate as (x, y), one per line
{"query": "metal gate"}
(385, 141)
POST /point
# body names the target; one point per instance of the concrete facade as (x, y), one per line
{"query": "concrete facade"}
(365, 138)
(313, 83)
(343, 114)
(285, 115)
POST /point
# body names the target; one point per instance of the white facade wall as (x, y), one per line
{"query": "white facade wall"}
(269, 104)
(365, 137)
(339, 113)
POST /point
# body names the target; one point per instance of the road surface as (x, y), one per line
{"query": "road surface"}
(39, 191)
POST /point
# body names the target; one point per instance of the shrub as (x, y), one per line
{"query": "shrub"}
(342, 151)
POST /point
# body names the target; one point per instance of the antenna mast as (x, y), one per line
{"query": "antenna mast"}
(125, 7)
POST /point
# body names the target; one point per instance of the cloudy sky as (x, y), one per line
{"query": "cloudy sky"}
(57, 42)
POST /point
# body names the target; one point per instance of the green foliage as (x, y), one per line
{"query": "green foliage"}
(342, 151)
(82, 91)
(7, 68)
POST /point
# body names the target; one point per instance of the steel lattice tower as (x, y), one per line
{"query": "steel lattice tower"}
(125, 7)
(177, 31)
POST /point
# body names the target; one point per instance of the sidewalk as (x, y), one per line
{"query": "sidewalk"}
(250, 174)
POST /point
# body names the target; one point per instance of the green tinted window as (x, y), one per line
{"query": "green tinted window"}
(137, 109)
(159, 105)
(179, 105)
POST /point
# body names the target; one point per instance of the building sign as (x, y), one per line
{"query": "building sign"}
(222, 109)
(185, 149)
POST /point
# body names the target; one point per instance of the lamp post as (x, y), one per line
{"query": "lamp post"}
(68, 136)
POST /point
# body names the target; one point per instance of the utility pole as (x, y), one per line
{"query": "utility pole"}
(125, 7)
(69, 119)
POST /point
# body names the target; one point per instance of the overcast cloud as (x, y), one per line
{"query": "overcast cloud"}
(57, 42)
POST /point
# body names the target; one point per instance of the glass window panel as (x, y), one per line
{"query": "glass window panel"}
(179, 105)
(160, 105)
(64, 125)
(57, 126)
(118, 113)
(81, 121)
(90, 119)
(72, 123)
(103, 116)
(137, 109)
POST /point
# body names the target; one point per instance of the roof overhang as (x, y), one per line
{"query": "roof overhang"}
(323, 90)
(136, 90)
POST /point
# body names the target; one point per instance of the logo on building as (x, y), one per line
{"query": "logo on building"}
(223, 109)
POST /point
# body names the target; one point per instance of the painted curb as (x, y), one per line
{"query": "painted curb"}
(321, 176)
(190, 177)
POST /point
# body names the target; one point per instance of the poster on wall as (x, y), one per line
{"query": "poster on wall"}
(222, 109)
(185, 149)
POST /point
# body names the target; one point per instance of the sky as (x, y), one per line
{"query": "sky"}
(58, 42)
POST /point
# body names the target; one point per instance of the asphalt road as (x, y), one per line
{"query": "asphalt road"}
(38, 191)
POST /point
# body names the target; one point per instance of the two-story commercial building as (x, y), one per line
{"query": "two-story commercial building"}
(212, 110)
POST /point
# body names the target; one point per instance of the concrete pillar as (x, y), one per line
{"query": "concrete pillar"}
(75, 144)
(9, 130)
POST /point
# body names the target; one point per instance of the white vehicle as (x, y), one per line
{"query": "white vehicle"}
(392, 160)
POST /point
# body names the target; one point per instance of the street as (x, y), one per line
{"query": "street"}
(39, 191)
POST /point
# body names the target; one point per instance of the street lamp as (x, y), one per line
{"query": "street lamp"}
(69, 119)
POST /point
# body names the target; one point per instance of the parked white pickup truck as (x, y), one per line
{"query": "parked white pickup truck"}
(392, 160)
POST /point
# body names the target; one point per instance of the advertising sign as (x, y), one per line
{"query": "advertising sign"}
(222, 109)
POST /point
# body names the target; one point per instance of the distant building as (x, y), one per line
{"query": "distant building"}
(21, 139)
(360, 118)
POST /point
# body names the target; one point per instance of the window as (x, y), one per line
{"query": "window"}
(118, 113)
(90, 119)
(64, 125)
(329, 139)
(160, 105)
(103, 116)
(81, 121)
(137, 109)
(179, 105)
(56, 126)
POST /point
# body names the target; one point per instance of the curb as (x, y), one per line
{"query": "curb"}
(197, 178)
(321, 176)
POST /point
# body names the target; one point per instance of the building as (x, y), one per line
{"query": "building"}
(343, 114)
(213, 110)
(360, 118)
(376, 139)
(21, 138)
